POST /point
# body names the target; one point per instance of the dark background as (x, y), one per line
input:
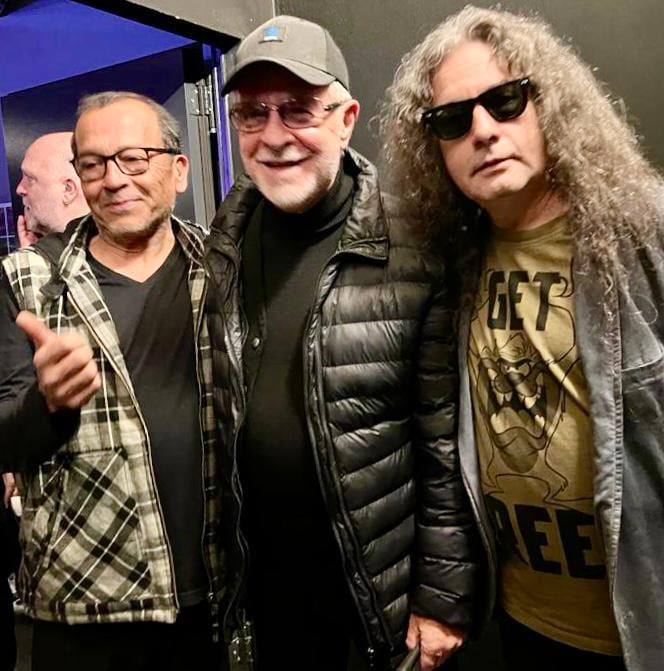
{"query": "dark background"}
(622, 38)
(47, 40)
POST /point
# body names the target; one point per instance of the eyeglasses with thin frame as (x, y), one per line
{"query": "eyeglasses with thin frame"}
(130, 161)
(295, 113)
(503, 102)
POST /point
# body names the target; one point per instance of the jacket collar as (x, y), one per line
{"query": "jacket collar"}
(73, 257)
(365, 230)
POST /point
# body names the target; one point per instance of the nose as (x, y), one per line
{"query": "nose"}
(114, 178)
(20, 188)
(275, 134)
(485, 128)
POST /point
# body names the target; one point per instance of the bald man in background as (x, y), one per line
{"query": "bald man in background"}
(49, 187)
(52, 197)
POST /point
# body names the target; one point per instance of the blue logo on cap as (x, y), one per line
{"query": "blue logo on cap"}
(272, 34)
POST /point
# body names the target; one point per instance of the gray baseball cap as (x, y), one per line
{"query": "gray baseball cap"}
(302, 47)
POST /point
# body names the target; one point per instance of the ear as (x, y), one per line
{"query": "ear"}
(350, 113)
(70, 192)
(181, 169)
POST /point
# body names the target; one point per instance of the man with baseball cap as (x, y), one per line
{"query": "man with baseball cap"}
(335, 385)
(303, 48)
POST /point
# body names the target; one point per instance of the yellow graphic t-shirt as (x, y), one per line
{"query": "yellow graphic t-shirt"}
(534, 436)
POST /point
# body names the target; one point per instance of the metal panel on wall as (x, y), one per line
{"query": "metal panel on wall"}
(205, 20)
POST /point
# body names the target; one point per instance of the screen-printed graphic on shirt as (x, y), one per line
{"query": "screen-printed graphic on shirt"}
(534, 436)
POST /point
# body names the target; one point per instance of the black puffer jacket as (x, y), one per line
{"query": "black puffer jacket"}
(381, 389)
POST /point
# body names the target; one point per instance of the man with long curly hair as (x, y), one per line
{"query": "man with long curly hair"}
(502, 140)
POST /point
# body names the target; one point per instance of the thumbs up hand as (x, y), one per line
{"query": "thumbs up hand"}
(66, 371)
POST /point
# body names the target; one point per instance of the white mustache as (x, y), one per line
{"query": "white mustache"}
(287, 155)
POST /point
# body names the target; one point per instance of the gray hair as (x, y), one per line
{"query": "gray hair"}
(337, 89)
(594, 160)
(168, 124)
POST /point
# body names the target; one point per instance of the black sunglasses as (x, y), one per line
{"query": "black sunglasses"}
(503, 102)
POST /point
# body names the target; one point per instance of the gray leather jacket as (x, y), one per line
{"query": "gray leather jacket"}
(623, 361)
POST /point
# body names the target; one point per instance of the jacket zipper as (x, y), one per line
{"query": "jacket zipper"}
(236, 486)
(211, 596)
(355, 560)
(147, 443)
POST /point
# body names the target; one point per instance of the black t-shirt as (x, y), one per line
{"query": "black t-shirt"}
(287, 525)
(31, 434)
(155, 328)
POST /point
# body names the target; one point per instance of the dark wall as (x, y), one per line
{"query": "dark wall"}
(622, 39)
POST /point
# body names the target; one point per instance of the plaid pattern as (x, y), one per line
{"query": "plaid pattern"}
(92, 531)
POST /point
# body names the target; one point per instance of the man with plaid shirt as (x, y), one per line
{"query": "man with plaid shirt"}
(105, 410)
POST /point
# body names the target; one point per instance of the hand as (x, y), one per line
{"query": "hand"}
(10, 488)
(437, 640)
(25, 235)
(66, 371)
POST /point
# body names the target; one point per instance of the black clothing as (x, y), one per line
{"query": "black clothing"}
(135, 646)
(154, 323)
(45, 432)
(526, 650)
(7, 636)
(32, 433)
(286, 523)
(9, 559)
(284, 509)
(10, 552)
(380, 388)
(305, 624)
(297, 246)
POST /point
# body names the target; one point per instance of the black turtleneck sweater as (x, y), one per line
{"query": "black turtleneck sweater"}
(285, 521)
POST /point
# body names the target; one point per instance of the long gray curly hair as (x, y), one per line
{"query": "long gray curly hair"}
(595, 163)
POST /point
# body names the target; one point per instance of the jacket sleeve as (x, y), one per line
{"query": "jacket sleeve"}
(30, 434)
(445, 562)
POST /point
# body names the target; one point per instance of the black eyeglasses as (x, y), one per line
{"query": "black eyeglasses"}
(130, 161)
(503, 102)
(251, 117)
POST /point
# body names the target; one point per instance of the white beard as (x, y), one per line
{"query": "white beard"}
(299, 196)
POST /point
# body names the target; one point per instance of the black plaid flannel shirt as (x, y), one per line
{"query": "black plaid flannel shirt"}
(93, 538)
